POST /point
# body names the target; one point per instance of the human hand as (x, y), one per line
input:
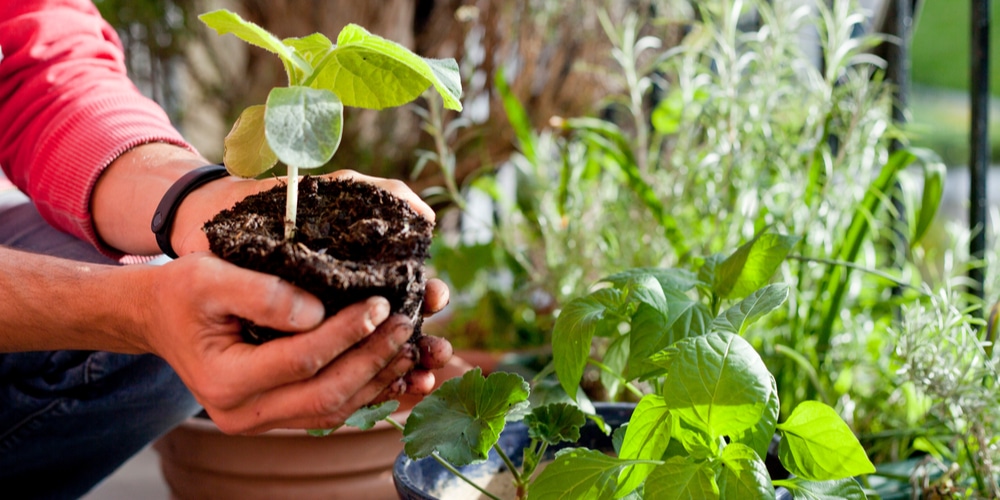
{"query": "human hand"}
(314, 379)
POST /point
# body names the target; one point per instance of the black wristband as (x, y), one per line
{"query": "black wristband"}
(163, 218)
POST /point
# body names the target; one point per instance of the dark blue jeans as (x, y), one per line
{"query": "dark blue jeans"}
(68, 419)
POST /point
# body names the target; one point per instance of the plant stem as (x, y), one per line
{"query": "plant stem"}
(510, 465)
(292, 203)
(631, 388)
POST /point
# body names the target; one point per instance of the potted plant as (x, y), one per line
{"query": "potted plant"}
(340, 240)
(707, 411)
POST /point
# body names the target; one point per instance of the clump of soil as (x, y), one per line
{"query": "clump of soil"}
(354, 240)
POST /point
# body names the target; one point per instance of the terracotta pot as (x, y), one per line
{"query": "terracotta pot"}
(200, 461)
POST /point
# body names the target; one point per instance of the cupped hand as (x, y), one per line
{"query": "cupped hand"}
(314, 379)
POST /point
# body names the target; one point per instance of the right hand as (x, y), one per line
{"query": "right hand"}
(314, 379)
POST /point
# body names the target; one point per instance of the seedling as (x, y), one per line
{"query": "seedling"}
(301, 125)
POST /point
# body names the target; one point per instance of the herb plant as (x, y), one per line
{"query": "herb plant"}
(301, 124)
(708, 409)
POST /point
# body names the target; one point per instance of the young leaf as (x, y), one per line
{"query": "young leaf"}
(681, 478)
(646, 438)
(367, 417)
(652, 331)
(578, 473)
(818, 445)
(744, 474)
(579, 321)
(680, 280)
(224, 21)
(751, 266)
(737, 318)
(368, 71)
(555, 423)
(463, 418)
(718, 383)
(840, 489)
(303, 125)
(247, 153)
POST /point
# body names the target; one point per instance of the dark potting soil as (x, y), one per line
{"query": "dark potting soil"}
(354, 240)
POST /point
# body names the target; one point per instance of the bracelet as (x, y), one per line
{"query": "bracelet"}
(163, 218)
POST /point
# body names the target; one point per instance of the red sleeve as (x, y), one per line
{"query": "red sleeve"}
(67, 107)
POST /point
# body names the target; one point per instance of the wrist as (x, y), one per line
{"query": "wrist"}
(166, 211)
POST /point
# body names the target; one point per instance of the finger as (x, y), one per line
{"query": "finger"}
(390, 383)
(436, 296)
(396, 187)
(434, 352)
(327, 393)
(420, 382)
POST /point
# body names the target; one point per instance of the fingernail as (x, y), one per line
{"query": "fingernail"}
(306, 312)
(378, 310)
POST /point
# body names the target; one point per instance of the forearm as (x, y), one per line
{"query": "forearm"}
(52, 304)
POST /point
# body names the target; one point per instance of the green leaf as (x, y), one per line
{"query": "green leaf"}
(366, 418)
(247, 153)
(555, 423)
(463, 418)
(759, 436)
(840, 489)
(693, 441)
(818, 445)
(652, 331)
(751, 266)
(578, 473)
(615, 361)
(224, 22)
(368, 71)
(744, 474)
(646, 438)
(934, 178)
(681, 479)
(680, 280)
(303, 125)
(574, 330)
(718, 383)
(737, 318)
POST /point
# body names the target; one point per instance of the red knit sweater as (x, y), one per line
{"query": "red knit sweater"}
(67, 107)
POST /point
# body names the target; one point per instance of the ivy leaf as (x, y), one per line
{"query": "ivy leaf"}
(718, 383)
(646, 438)
(578, 473)
(224, 22)
(680, 478)
(555, 423)
(303, 125)
(463, 418)
(368, 71)
(751, 266)
(818, 445)
(744, 474)
(737, 318)
(840, 489)
(247, 153)
(366, 418)
(579, 321)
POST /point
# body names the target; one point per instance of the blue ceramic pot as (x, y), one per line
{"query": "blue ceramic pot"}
(416, 479)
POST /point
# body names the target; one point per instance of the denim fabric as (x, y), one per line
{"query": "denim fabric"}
(68, 419)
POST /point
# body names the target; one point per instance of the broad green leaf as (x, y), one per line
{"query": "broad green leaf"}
(644, 289)
(759, 436)
(463, 418)
(615, 360)
(224, 21)
(818, 445)
(368, 71)
(708, 273)
(247, 153)
(751, 266)
(578, 473)
(681, 479)
(718, 383)
(367, 417)
(579, 321)
(646, 438)
(312, 49)
(744, 474)
(840, 489)
(652, 331)
(680, 280)
(737, 318)
(555, 423)
(303, 125)
(694, 441)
